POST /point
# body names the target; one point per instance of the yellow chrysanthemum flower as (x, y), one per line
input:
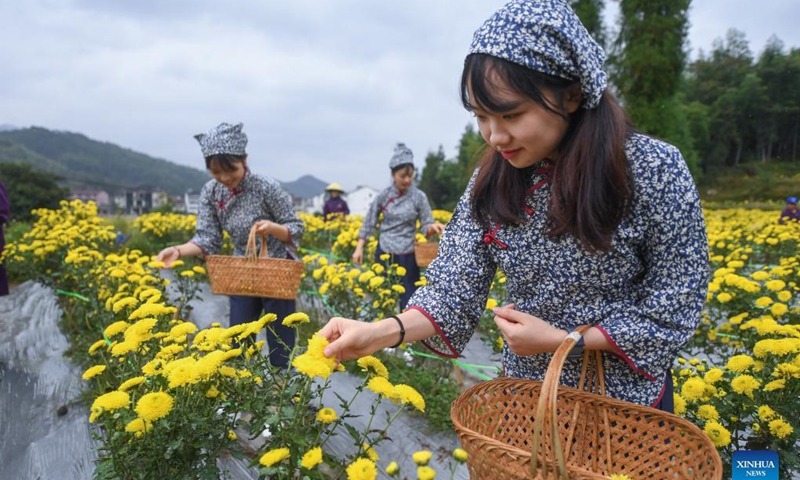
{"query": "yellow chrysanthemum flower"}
(393, 469)
(125, 302)
(763, 302)
(693, 389)
(94, 371)
(408, 394)
(718, 434)
(619, 476)
(707, 412)
(724, 297)
(780, 428)
(382, 387)
(784, 296)
(371, 453)
(766, 413)
(295, 318)
(130, 383)
(109, 402)
(775, 285)
(362, 469)
(775, 385)
(116, 328)
(138, 425)
(460, 455)
(713, 376)
(153, 406)
(679, 404)
(97, 345)
(739, 363)
(426, 473)
(326, 415)
(421, 457)
(745, 385)
(311, 458)
(314, 363)
(232, 435)
(274, 456)
(759, 275)
(779, 309)
(373, 365)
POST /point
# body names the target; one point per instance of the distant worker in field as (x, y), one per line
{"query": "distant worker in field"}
(335, 204)
(5, 214)
(790, 212)
(397, 210)
(235, 200)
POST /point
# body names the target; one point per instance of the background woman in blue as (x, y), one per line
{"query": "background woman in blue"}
(335, 205)
(592, 222)
(396, 211)
(235, 200)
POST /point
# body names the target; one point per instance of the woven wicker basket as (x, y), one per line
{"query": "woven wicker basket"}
(582, 435)
(255, 275)
(425, 252)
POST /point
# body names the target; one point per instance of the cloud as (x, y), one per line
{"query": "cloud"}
(323, 87)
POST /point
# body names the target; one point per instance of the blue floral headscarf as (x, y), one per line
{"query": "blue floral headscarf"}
(402, 156)
(546, 36)
(224, 139)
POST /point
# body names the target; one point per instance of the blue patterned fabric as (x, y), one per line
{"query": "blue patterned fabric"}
(255, 198)
(402, 156)
(646, 294)
(546, 36)
(223, 139)
(400, 214)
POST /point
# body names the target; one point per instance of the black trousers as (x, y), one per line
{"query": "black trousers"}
(248, 309)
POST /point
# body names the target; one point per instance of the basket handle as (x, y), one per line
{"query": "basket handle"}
(252, 251)
(546, 407)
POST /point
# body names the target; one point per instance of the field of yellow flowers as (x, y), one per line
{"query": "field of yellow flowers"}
(165, 396)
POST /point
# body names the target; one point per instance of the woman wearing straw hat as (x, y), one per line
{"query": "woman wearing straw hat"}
(335, 205)
(592, 222)
(235, 200)
(397, 209)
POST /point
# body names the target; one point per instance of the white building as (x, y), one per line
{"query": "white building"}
(191, 203)
(360, 199)
(99, 197)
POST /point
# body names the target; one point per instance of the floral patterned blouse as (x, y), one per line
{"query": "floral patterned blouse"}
(646, 294)
(399, 223)
(255, 198)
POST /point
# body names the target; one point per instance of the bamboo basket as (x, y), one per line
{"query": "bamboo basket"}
(425, 252)
(582, 434)
(255, 274)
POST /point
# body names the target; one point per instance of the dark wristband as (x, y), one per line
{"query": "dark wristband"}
(402, 331)
(577, 350)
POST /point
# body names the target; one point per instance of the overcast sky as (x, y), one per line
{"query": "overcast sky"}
(323, 87)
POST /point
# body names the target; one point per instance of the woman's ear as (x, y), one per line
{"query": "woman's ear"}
(574, 98)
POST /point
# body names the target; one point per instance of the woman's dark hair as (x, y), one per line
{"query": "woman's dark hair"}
(591, 187)
(226, 161)
(405, 168)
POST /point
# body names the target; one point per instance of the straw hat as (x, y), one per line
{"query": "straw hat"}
(334, 187)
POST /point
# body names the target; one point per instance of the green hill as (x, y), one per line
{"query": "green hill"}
(752, 182)
(84, 163)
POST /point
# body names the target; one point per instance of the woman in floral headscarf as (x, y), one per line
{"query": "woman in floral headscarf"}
(592, 222)
(235, 200)
(396, 211)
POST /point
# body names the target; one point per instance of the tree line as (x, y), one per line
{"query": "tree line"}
(725, 108)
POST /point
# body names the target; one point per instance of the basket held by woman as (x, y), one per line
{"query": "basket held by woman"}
(516, 428)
